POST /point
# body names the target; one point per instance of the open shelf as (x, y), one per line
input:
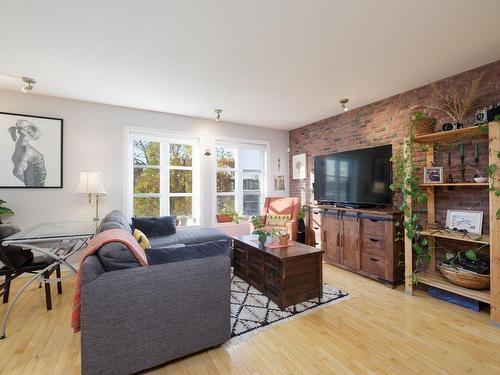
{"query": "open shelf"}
(485, 239)
(436, 280)
(452, 136)
(471, 184)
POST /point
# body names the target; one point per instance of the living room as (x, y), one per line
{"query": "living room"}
(249, 188)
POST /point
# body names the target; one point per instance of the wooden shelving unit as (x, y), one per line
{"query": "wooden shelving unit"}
(432, 277)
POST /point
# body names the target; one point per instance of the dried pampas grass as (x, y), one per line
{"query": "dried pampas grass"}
(454, 105)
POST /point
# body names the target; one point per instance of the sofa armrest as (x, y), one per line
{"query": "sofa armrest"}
(138, 318)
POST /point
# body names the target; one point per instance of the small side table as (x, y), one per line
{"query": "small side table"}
(60, 241)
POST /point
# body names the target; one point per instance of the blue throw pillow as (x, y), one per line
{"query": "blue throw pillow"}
(201, 250)
(155, 226)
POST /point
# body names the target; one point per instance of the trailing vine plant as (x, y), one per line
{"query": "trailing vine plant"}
(406, 182)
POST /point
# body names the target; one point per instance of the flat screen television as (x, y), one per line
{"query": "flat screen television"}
(354, 178)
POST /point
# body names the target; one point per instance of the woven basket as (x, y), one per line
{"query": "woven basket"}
(467, 279)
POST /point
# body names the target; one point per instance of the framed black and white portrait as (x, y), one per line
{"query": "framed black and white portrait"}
(31, 149)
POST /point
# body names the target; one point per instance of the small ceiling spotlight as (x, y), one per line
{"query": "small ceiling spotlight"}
(217, 114)
(343, 103)
(30, 82)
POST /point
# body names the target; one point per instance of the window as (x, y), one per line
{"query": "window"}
(164, 178)
(240, 177)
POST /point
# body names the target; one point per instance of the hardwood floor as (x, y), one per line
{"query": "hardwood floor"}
(377, 331)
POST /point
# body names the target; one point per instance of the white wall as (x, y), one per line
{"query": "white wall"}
(94, 141)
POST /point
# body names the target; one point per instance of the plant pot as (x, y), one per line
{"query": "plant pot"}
(224, 218)
(464, 278)
(425, 126)
(284, 239)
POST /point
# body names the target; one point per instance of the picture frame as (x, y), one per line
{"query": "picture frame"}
(279, 183)
(471, 221)
(31, 151)
(433, 175)
(299, 166)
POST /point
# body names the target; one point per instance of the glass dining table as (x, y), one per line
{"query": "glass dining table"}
(55, 240)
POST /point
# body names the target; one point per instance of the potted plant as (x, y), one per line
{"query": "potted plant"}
(228, 214)
(257, 222)
(4, 210)
(283, 237)
(423, 123)
(263, 236)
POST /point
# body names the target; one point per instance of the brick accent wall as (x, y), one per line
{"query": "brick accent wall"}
(384, 122)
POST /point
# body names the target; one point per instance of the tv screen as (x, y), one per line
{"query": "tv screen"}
(358, 177)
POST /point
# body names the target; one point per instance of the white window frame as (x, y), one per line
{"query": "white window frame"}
(165, 140)
(238, 145)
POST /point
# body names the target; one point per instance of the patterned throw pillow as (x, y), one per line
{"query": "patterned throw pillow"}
(277, 220)
(142, 239)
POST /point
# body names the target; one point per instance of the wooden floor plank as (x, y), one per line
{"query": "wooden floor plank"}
(377, 331)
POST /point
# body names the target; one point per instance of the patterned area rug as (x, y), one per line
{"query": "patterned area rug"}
(252, 311)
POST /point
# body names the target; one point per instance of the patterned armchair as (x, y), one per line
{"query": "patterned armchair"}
(280, 213)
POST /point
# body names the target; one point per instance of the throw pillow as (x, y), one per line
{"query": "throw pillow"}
(201, 250)
(142, 239)
(155, 226)
(277, 220)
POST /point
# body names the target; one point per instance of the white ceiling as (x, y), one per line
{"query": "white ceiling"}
(280, 64)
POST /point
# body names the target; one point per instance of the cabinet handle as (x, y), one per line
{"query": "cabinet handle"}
(338, 239)
(374, 239)
(374, 259)
(316, 228)
(374, 220)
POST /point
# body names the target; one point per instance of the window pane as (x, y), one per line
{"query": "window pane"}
(225, 157)
(181, 206)
(225, 182)
(146, 180)
(181, 181)
(146, 153)
(221, 200)
(251, 181)
(251, 204)
(146, 206)
(251, 159)
(181, 155)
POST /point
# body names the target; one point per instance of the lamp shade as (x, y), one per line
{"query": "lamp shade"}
(90, 183)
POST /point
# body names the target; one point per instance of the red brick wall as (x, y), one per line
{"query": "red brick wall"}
(383, 122)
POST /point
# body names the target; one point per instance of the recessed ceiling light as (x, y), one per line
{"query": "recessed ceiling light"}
(343, 103)
(217, 114)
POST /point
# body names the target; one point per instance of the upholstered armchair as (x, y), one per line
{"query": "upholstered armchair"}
(278, 207)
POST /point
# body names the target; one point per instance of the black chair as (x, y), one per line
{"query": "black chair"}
(18, 261)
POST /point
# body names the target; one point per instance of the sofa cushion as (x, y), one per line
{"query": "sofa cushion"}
(200, 250)
(188, 236)
(155, 226)
(141, 238)
(115, 219)
(116, 256)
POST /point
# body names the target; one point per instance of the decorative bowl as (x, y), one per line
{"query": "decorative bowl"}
(480, 180)
(464, 278)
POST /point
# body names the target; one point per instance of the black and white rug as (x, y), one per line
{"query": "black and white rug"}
(252, 311)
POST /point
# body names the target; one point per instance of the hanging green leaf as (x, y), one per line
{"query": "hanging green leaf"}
(471, 254)
(491, 170)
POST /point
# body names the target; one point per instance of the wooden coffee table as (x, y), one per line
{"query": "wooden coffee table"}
(287, 275)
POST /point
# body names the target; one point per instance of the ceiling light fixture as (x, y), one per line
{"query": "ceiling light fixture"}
(30, 82)
(343, 103)
(217, 114)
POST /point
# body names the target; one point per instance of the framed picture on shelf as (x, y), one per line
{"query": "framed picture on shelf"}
(433, 175)
(471, 221)
(31, 151)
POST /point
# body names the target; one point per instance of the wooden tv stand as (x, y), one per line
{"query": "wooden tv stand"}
(359, 240)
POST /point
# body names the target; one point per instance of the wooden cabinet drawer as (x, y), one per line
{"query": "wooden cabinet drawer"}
(374, 245)
(373, 265)
(373, 226)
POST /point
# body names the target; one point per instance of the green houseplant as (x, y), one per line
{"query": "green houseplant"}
(4, 210)
(228, 214)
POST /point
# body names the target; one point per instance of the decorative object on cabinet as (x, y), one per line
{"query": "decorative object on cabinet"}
(456, 105)
(433, 175)
(464, 221)
(32, 157)
(299, 166)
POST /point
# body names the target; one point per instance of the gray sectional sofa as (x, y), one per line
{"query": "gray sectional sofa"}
(134, 318)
